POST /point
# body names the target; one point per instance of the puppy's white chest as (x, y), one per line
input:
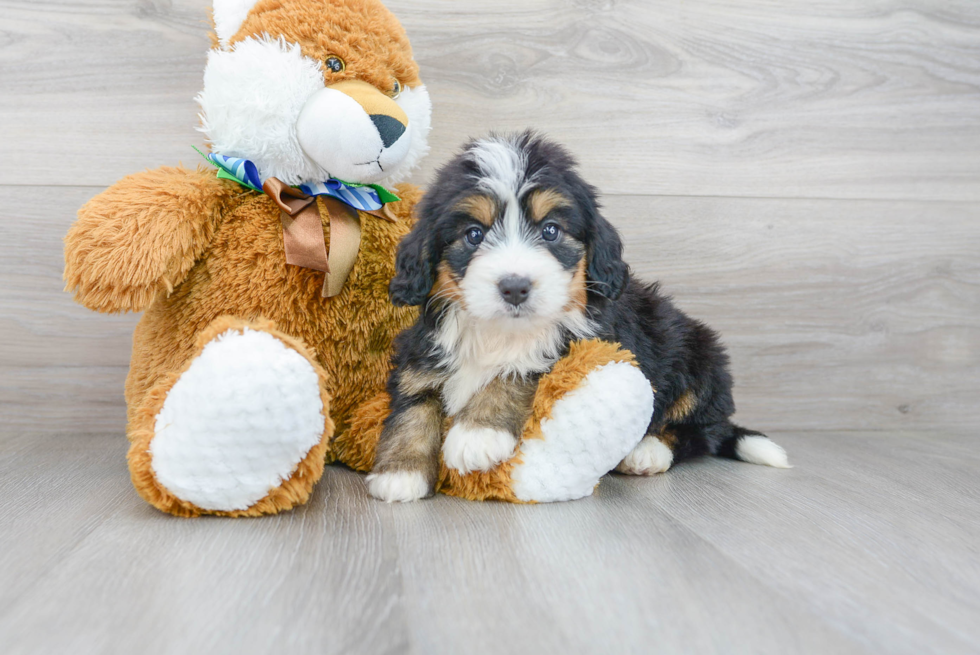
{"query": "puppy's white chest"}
(475, 357)
(461, 386)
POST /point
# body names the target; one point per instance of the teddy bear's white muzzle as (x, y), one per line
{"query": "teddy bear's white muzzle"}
(336, 132)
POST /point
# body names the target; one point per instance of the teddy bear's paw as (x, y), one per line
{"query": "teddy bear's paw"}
(398, 486)
(238, 422)
(476, 448)
(591, 429)
(650, 457)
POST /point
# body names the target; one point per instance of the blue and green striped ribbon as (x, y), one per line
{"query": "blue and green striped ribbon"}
(366, 197)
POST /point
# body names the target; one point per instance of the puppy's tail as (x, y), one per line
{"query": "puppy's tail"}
(754, 447)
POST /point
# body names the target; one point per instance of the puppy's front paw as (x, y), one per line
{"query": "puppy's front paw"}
(650, 457)
(398, 486)
(471, 448)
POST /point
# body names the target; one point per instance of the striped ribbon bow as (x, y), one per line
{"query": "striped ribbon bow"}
(365, 197)
(302, 228)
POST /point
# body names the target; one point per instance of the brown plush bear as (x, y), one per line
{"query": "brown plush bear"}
(264, 346)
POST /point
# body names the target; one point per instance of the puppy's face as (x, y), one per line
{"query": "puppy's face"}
(511, 233)
(520, 257)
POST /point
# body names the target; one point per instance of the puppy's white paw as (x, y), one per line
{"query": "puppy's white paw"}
(470, 448)
(651, 456)
(397, 486)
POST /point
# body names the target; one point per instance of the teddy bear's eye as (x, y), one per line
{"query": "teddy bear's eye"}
(396, 89)
(335, 64)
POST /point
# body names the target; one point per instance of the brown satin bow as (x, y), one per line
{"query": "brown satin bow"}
(302, 233)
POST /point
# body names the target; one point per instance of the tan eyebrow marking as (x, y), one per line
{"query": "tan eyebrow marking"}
(482, 208)
(543, 201)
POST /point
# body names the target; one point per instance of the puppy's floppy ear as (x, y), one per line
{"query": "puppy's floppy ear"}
(604, 248)
(414, 275)
(606, 265)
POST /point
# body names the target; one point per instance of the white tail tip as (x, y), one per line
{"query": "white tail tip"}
(757, 449)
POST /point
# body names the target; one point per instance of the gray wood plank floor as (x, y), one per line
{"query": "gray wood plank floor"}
(803, 176)
(868, 545)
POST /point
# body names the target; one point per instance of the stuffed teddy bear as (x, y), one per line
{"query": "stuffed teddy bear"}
(262, 275)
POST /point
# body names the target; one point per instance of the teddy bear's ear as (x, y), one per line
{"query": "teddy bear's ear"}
(229, 16)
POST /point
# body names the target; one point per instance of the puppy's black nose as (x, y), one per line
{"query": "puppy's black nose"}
(514, 289)
(389, 128)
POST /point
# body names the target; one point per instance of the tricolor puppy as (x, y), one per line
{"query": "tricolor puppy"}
(511, 261)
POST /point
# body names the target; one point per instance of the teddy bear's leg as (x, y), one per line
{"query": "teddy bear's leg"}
(589, 431)
(241, 430)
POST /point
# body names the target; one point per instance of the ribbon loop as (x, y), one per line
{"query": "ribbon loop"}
(345, 242)
(302, 228)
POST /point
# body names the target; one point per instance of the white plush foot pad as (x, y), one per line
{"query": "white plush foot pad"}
(469, 448)
(590, 431)
(237, 422)
(650, 457)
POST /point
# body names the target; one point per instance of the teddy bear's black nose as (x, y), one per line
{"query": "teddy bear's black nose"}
(389, 128)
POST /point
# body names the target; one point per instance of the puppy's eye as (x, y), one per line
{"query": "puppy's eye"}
(474, 236)
(396, 90)
(550, 232)
(335, 64)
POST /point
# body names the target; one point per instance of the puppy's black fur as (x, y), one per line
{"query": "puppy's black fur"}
(683, 358)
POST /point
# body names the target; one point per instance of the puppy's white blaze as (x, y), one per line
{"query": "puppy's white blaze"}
(502, 165)
(397, 486)
(651, 456)
(469, 448)
(757, 449)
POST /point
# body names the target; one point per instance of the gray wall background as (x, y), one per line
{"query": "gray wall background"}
(804, 176)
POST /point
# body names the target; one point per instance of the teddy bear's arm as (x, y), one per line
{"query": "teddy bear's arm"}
(142, 235)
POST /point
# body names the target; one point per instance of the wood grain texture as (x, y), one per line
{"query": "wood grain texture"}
(830, 309)
(734, 142)
(828, 99)
(837, 314)
(867, 546)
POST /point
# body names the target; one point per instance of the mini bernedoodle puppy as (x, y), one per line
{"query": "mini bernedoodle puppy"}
(512, 261)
